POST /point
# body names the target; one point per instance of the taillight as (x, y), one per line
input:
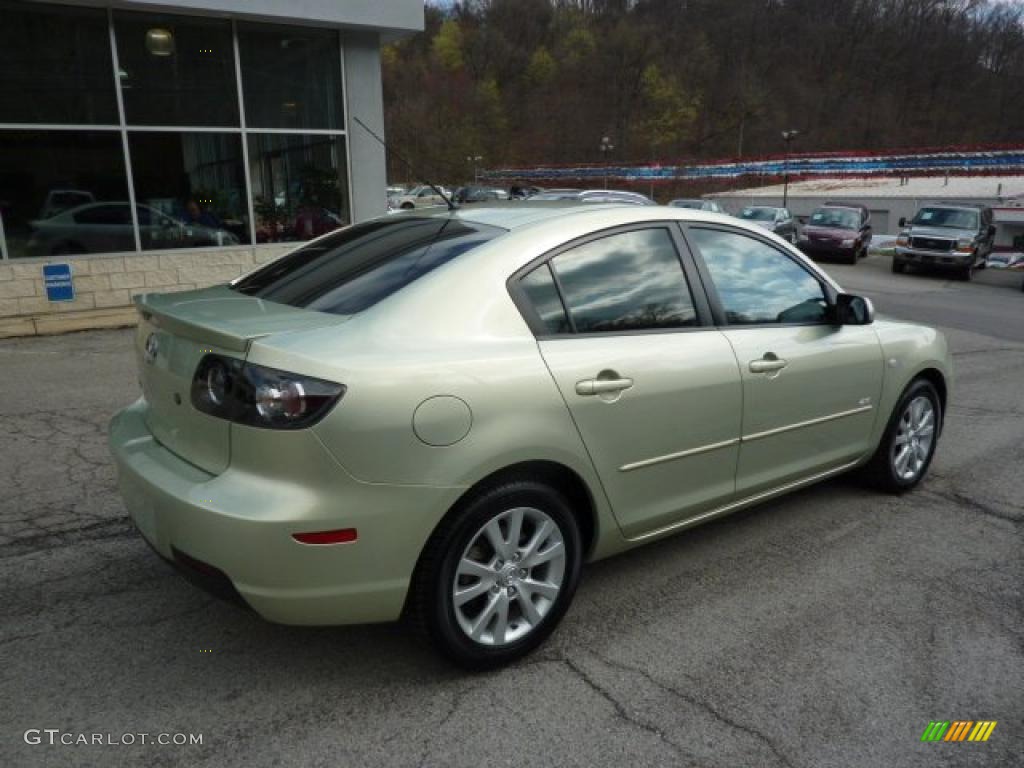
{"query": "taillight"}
(259, 396)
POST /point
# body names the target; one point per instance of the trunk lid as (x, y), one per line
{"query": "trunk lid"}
(175, 331)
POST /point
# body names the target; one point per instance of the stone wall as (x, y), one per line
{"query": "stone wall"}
(106, 284)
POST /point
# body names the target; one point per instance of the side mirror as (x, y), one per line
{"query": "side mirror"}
(853, 310)
(903, 221)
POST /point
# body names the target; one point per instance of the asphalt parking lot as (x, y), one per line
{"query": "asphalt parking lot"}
(826, 628)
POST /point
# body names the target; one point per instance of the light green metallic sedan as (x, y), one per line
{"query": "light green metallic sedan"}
(444, 414)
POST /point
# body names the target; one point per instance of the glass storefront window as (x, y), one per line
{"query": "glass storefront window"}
(291, 77)
(55, 65)
(299, 185)
(190, 189)
(64, 192)
(176, 70)
(170, 120)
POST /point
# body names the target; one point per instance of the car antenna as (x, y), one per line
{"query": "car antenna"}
(451, 206)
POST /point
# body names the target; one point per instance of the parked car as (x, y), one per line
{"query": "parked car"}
(955, 236)
(444, 414)
(476, 194)
(697, 204)
(595, 196)
(837, 230)
(777, 220)
(59, 200)
(523, 192)
(422, 196)
(107, 227)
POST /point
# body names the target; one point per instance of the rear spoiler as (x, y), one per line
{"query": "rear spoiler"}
(225, 318)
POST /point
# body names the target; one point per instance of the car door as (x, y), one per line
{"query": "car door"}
(785, 228)
(810, 387)
(105, 227)
(653, 388)
(427, 197)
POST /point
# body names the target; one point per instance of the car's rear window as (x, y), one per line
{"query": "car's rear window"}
(354, 268)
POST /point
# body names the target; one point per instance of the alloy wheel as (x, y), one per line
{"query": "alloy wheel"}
(915, 434)
(509, 576)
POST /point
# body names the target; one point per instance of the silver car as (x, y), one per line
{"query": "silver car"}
(107, 228)
(444, 414)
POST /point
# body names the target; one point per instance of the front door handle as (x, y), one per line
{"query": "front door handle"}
(767, 364)
(589, 387)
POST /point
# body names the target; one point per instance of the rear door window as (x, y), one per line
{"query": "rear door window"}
(351, 270)
(629, 281)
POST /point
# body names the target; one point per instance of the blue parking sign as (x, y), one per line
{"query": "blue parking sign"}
(58, 282)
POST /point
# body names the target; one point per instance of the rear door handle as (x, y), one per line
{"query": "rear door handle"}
(767, 364)
(589, 387)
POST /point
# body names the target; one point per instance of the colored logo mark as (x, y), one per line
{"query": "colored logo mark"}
(958, 730)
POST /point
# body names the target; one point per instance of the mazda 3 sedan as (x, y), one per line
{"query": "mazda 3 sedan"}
(444, 414)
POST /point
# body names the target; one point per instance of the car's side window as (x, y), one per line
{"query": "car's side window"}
(539, 287)
(757, 283)
(105, 214)
(627, 281)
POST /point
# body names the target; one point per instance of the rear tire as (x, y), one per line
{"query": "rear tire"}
(512, 594)
(905, 451)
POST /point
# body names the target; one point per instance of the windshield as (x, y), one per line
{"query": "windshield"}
(835, 218)
(951, 218)
(352, 269)
(695, 204)
(758, 214)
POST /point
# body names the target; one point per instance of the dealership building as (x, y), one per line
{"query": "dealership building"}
(163, 146)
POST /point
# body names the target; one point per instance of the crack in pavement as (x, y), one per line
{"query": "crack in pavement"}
(958, 499)
(458, 697)
(620, 709)
(117, 528)
(966, 352)
(703, 705)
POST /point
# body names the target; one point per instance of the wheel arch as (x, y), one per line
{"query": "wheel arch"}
(556, 474)
(936, 378)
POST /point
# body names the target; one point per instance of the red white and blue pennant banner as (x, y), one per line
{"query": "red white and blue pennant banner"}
(955, 161)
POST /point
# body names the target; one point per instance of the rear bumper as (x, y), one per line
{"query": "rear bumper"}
(241, 522)
(934, 258)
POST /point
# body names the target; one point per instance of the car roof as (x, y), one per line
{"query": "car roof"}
(946, 204)
(845, 206)
(512, 214)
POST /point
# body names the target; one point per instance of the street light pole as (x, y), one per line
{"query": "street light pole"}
(475, 160)
(787, 136)
(606, 147)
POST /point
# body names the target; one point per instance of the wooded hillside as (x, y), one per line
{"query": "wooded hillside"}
(522, 82)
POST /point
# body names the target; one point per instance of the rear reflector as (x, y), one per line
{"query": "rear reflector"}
(342, 536)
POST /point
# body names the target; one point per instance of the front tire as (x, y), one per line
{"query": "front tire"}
(898, 267)
(911, 436)
(498, 574)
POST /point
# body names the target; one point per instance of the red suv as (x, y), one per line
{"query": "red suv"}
(837, 230)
